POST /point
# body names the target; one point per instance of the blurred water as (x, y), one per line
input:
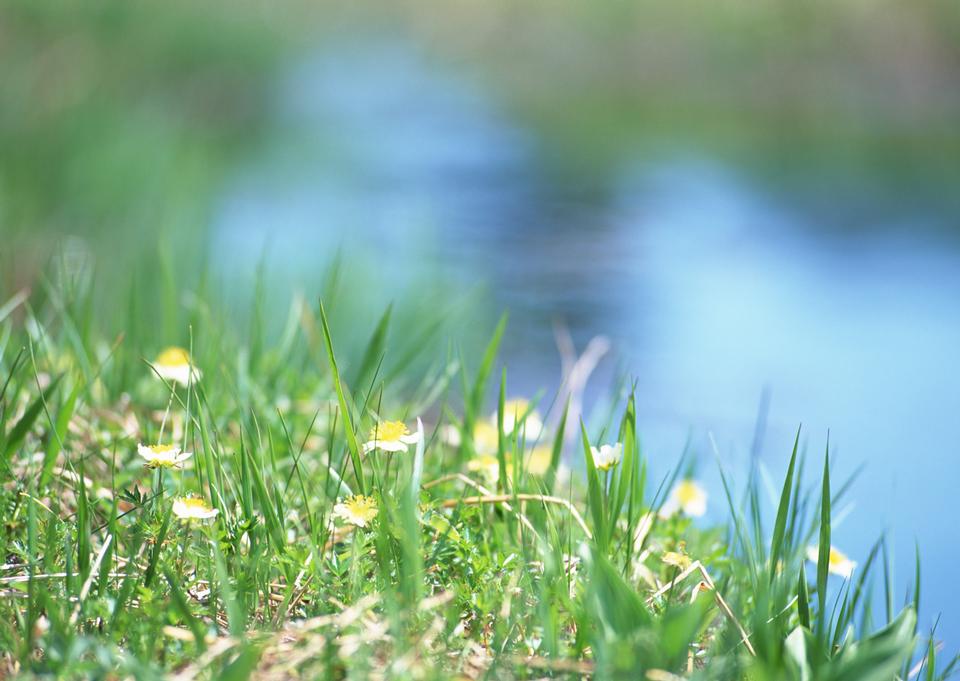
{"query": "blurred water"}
(711, 289)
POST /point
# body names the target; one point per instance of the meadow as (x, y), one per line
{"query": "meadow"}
(207, 483)
(219, 503)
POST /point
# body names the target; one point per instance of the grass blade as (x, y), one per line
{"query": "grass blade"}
(352, 444)
(780, 526)
(823, 559)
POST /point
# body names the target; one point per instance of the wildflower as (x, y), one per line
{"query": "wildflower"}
(838, 564)
(521, 412)
(193, 508)
(678, 559)
(607, 456)
(173, 364)
(538, 460)
(688, 497)
(391, 436)
(163, 456)
(357, 510)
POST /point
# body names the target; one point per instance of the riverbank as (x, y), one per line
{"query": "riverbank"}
(252, 506)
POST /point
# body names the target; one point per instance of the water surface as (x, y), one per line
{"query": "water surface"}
(712, 289)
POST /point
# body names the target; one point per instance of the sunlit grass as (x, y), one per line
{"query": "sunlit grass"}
(240, 507)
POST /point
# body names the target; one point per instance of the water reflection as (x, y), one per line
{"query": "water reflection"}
(710, 289)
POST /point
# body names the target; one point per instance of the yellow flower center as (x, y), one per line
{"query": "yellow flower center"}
(173, 356)
(361, 506)
(389, 431)
(687, 492)
(678, 559)
(836, 558)
(357, 510)
(161, 449)
(194, 503)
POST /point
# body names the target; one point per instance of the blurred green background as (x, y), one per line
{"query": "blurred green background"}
(119, 120)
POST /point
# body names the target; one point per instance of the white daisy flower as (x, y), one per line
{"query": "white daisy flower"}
(607, 456)
(174, 364)
(163, 456)
(687, 496)
(193, 508)
(838, 564)
(391, 436)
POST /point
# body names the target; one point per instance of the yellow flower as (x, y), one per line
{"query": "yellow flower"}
(677, 559)
(607, 456)
(357, 510)
(391, 436)
(838, 564)
(538, 460)
(520, 411)
(193, 508)
(687, 496)
(163, 456)
(174, 364)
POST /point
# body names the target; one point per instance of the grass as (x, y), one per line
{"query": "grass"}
(542, 565)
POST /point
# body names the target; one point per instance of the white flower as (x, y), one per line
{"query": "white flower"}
(163, 456)
(687, 496)
(391, 436)
(174, 364)
(193, 508)
(521, 411)
(838, 563)
(607, 456)
(357, 510)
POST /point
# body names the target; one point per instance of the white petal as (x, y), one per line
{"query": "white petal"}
(669, 508)
(178, 373)
(385, 445)
(696, 507)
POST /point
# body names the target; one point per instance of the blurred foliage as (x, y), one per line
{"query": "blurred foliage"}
(117, 118)
(837, 86)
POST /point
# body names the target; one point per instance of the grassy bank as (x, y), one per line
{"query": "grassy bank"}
(356, 511)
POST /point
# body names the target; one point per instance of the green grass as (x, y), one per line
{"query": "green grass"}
(555, 568)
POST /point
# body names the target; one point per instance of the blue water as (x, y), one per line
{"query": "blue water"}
(712, 289)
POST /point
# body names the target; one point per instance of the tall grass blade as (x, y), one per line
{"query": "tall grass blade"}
(823, 559)
(352, 444)
(780, 526)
